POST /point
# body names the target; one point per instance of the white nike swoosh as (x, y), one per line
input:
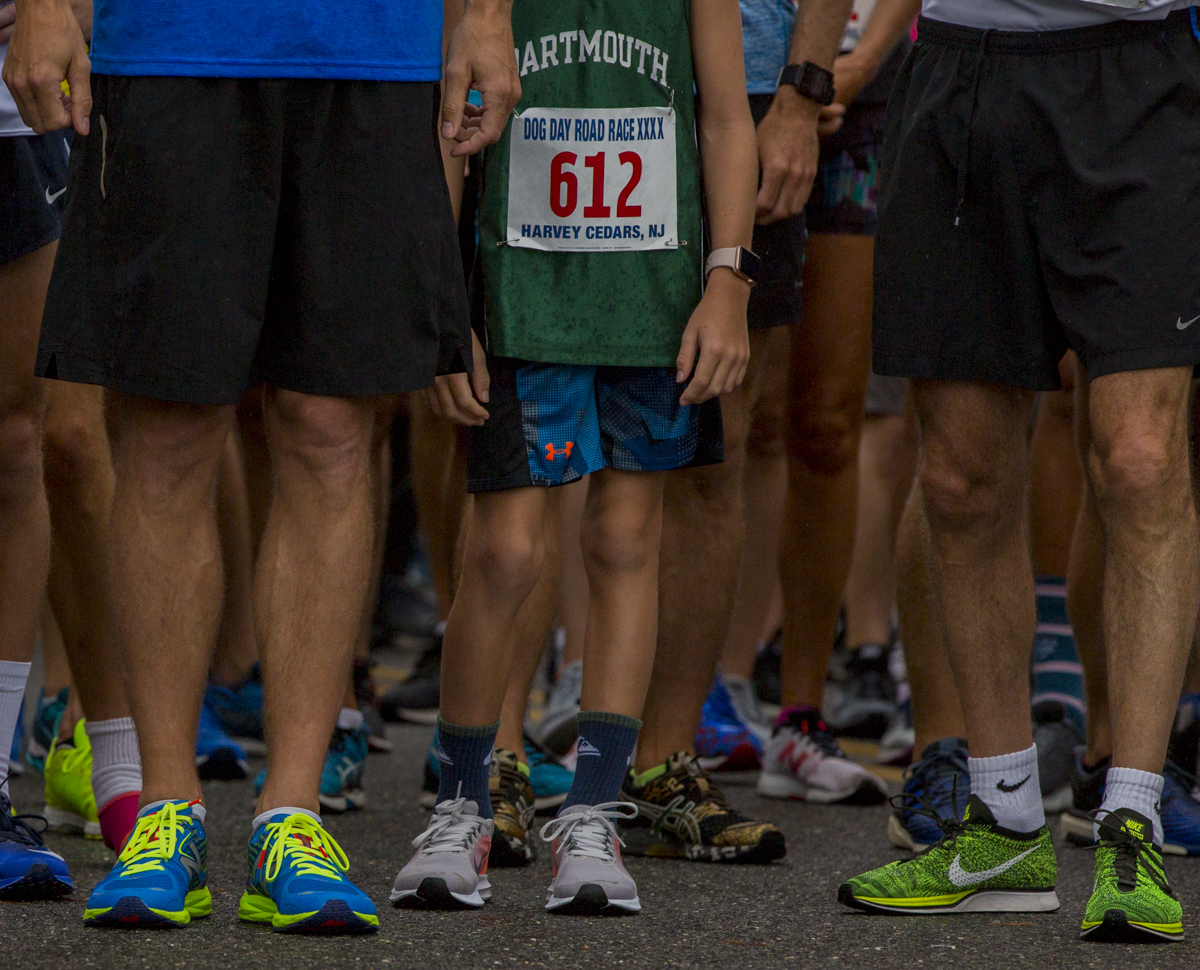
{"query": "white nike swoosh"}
(1180, 325)
(50, 199)
(962, 879)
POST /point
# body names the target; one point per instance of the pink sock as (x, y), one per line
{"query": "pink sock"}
(117, 819)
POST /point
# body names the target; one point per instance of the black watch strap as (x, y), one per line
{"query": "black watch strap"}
(811, 80)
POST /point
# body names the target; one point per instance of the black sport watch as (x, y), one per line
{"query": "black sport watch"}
(811, 80)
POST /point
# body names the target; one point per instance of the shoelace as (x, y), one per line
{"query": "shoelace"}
(17, 828)
(589, 832)
(819, 734)
(951, 828)
(310, 848)
(450, 829)
(153, 841)
(1131, 854)
(924, 769)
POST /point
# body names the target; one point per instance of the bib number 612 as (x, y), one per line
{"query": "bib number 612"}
(564, 186)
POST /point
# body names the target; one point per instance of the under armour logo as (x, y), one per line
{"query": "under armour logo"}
(553, 453)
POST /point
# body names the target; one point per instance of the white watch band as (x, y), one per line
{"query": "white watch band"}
(721, 257)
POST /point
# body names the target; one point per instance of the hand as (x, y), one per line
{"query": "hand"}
(851, 73)
(788, 150)
(8, 16)
(480, 56)
(718, 330)
(458, 396)
(46, 49)
(830, 119)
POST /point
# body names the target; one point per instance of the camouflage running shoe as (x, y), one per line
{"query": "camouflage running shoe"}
(1132, 901)
(977, 867)
(683, 815)
(512, 805)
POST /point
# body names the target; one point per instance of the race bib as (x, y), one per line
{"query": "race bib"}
(593, 180)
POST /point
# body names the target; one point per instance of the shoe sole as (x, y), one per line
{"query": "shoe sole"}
(38, 883)
(131, 913)
(335, 918)
(1058, 801)
(591, 900)
(69, 823)
(982, 901)
(639, 842)
(378, 745)
(901, 838)
(1116, 927)
(349, 799)
(866, 792)
(221, 765)
(742, 758)
(433, 893)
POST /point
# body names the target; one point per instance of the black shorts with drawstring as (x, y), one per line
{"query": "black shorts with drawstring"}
(1041, 191)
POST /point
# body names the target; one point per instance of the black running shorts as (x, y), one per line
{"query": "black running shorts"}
(220, 232)
(1041, 191)
(33, 183)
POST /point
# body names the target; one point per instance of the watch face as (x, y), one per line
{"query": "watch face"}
(749, 265)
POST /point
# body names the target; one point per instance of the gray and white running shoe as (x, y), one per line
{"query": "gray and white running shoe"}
(560, 717)
(449, 870)
(745, 703)
(589, 876)
(1056, 739)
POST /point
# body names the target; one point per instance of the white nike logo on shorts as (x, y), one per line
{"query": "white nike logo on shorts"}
(1181, 325)
(50, 198)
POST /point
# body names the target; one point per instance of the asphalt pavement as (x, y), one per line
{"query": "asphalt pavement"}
(694, 914)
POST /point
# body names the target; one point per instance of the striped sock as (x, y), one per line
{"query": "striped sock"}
(1057, 672)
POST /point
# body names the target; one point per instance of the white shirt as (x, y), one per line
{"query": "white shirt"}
(1043, 14)
(10, 120)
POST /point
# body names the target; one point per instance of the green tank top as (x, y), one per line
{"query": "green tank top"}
(590, 223)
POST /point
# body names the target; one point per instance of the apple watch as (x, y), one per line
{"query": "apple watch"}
(811, 80)
(743, 262)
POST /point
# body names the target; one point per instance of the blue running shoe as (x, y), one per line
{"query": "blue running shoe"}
(723, 741)
(14, 756)
(218, 756)
(238, 710)
(28, 870)
(46, 720)
(939, 785)
(1180, 812)
(160, 879)
(550, 778)
(341, 777)
(296, 881)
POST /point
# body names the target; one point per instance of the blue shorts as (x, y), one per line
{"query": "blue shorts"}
(551, 424)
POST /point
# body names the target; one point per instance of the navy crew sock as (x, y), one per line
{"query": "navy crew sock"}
(465, 755)
(1057, 671)
(605, 745)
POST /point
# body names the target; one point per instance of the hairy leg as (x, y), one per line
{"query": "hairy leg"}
(974, 475)
(237, 647)
(830, 361)
(621, 536)
(24, 513)
(165, 574)
(1139, 468)
(312, 578)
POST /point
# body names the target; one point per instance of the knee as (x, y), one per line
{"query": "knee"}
(768, 434)
(507, 556)
(75, 446)
(1138, 469)
(328, 439)
(619, 539)
(161, 451)
(825, 440)
(963, 497)
(20, 455)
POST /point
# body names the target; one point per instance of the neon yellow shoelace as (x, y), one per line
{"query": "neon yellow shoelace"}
(312, 850)
(153, 841)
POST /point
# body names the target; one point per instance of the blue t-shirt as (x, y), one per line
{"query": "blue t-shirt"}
(766, 38)
(381, 40)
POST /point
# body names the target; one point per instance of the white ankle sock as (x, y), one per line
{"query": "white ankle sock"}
(1008, 785)
(13, 676)
(282, 809)
(1138, 790)
(350, 719)
(116, 764)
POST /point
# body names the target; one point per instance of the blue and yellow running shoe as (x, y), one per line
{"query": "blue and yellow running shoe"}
(296, 881)
(46, 720)
(160, 879)
(218, 756)
(28, 870)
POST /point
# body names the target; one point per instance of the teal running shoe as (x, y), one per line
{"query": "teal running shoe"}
(341, 777)
(297, 881)
(160, 879)
(46, 720)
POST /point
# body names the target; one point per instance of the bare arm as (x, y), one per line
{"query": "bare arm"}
(717, 328)
(47, 47)
(889, 22)
(480, 55)
(788, 147)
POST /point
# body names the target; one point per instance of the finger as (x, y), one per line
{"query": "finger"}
(460, 387)
(5, 34)
(481, 381)
(497, 106)
(768, 193)
(446, 400)
(80, 81)
(721, 379)
(455, 88)
(687, 355)
(699, 388)
(431, 399)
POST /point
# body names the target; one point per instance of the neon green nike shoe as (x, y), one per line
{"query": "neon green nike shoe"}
(70, 803)
(1132, 901)
(976, 867)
